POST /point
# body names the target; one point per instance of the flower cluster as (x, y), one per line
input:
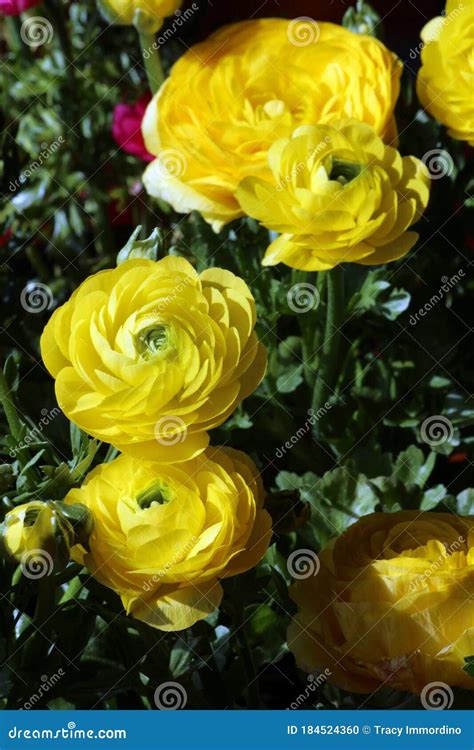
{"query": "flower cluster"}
(228, 99)
(150, 356)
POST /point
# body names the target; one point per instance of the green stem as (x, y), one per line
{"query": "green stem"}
(14, 422)
(13, 29)
(329, 362)
(151, 60)
(245, 653)
(57, 14)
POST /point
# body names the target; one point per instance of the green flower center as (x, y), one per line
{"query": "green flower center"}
(344, 171)
(155, 493)
(152, 340)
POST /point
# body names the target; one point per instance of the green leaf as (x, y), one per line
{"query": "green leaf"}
(411, 467)
(12, 374)
(469, 665)
(290, 380)
(377, 296)
(465, 502)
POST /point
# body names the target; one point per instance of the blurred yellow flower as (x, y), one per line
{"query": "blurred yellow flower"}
(126, 12)
(446, 78)
(165, 535)
(338, 194)
(230, 97)
(391, 605)
(150, 355)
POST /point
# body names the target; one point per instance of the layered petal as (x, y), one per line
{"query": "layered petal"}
(163, 536)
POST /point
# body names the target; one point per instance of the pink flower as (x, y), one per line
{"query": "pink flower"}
(15, 7)
(126, 127)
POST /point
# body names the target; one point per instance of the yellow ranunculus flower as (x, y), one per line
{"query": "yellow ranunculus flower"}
(391, 605)
(150, 355)
(337, 194)
(125, 12)
(446, 79)
(38, 537)
(230, 97)
(165, 535)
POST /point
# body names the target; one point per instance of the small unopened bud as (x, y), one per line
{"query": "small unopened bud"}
(39, 535)
(148, 248)
(362, 19)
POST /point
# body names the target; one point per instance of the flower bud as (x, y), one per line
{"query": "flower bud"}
(362, 19)
(135, 248)
(39, 535)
